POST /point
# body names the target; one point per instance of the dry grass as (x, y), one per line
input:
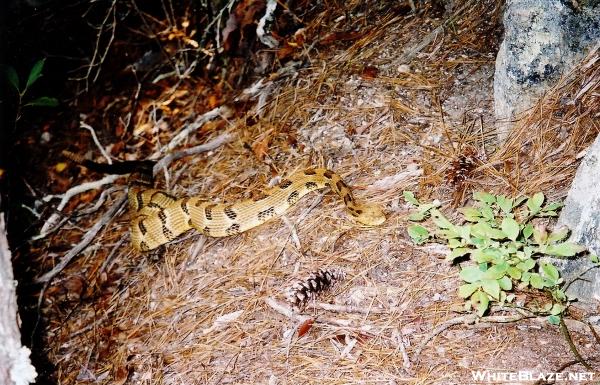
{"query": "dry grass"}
(199, 315)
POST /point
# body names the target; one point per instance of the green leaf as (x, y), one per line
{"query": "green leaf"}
(554, 320)
(519, 200)
(492, 287)
(496, 271)
(487, 213)
(552, 206)
(43, 101)
(535, 203)
(559, 295)
(536, 281)
(440, 220)
(465, 291)
(505, 204)
(526, 265)
(409, 196)
(457, 253)
(557, 309)
(488, 254)
(471, 214)
(418, 234)
(514, 273)
(550, 271)
(505, 283)
(13, 78)
(510, 227)
(548, 214)
(480, 302)
(527, 231)
(594, 258)
(35, 73)
(417, 217)
(471, 274)
(464, 232)
(454, 243)
(447, 234)
(566, 249)
(484, 230)
(558, 235)
(484, 197)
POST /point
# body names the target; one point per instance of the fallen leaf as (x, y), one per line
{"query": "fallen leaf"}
(286, 51)
(261, 148)
(305, 327)
(369, 72)
(60, 167)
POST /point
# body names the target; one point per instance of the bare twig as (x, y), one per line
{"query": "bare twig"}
(96, 141)
(468, 320)
(285, 310)
(213, 144)
(196, 124)
(411, 52)
(572, 347)
(564, 366)
(87, 239)
(354, 309)
(54, 219)
(97, 58)
(594, 332)
(267, 19)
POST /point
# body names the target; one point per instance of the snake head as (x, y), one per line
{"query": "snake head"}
(370, 215)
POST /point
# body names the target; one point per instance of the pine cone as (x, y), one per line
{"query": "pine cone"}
(461, 167)
(316, 283)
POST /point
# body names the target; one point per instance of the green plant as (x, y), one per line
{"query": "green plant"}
(34, 74)
(498, 235)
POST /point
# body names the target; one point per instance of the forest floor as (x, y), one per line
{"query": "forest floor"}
(390, 101)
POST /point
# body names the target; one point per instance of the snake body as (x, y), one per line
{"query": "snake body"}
(157, 217)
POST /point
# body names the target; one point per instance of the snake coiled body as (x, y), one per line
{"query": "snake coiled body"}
(157, 217)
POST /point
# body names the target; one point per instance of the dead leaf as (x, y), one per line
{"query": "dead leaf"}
(60, 166)
(305, 327)
(369, 72)
(261, 148)
(286, 51)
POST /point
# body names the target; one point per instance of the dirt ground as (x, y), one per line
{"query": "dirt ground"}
(388, 114)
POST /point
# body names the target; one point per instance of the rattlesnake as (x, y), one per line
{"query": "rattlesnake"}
(158, 217)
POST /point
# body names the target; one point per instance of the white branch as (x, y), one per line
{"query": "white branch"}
(87, 239)
(70, 193)
(262, 35)
(199, 122)
(213, 144)
(96, 141)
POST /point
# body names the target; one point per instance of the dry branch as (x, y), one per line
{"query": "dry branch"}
(87, 239)
(469, 319)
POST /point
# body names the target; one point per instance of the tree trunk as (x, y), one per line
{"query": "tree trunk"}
(15, 366)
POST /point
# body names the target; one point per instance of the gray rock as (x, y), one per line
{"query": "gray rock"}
(581, 214)
(543, 39)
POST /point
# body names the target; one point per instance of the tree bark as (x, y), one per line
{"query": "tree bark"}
(15, 366)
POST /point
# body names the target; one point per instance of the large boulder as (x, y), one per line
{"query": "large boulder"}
(543, 39)
(581, 214)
